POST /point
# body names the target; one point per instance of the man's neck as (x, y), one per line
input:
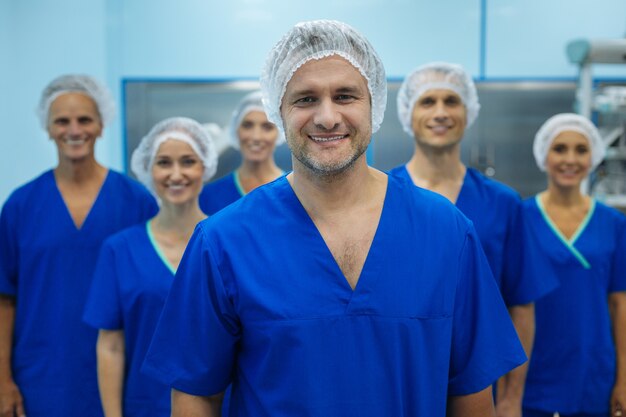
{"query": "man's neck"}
(430, 167)
(79, 172)
(326, 195)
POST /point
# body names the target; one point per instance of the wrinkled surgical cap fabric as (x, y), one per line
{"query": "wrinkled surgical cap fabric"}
(319, 39)
(436, 76)
(175, 128)
(77, 83)
(251, 102)
(567, 122)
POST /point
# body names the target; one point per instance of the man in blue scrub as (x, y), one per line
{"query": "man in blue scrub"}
(51, 230)
(436, 103)
(336, 290)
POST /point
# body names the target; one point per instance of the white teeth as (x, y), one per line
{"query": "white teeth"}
(75, 142)
(176, 187)
(318, 139)
(440, 129)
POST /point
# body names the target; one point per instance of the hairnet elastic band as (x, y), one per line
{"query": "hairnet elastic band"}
(56, 95)
(171, 135)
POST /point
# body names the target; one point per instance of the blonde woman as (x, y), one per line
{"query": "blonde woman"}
(137, 266)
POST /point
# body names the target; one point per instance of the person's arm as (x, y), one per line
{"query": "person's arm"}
(11, 402)
(185, 405)
(110, 350)
(617, 308)
(511, 386)
(479, 404)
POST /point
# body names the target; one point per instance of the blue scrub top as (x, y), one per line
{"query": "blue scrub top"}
(572, 368)
(494, 209)
(259, 301)
(46, 263)
(218, 194)
(130, 285)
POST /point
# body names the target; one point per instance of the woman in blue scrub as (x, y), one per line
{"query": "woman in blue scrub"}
(51, 230)
(256, 138)
(578, 366)
(137, 266)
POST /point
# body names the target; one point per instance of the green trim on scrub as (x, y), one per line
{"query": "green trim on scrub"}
(569, 243)
(238, 183)
(158, 249)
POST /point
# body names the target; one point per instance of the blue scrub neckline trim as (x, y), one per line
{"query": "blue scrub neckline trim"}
(569, 243)
(238, 185)
(157, 249)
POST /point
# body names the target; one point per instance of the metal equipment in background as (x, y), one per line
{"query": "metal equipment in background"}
(499, 144)
(606, 105)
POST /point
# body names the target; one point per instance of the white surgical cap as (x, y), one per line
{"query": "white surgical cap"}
(251, 102)
(76, 83)
(175, 128)
(566, 122)
(436, 76)
(319, 39)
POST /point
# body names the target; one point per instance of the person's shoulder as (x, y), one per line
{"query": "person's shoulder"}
(421, 195)
(425, 203)
(32, 189)
(222, 181)
(253, 206)
(220, 188)
(399, 172)
(129, 189)
(127, 236)
(123, 180)
(610, 212)
(491, 186)
(529, 203)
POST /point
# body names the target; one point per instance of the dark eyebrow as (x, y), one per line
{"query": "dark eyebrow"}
(349, 90)
(300, 93)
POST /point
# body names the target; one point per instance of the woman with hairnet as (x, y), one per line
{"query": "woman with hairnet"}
(256, 138)
(51, 230)
(136, 266)
(578, 366)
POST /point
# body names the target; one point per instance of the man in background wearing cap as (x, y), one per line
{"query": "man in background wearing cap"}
(437, 102)
(336, 290)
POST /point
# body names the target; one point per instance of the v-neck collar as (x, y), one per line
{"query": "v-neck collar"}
(239, 186)
(371, 265)
(157, 249)
(93, 207)
(463, 185)
(569, 243)
(237, 182)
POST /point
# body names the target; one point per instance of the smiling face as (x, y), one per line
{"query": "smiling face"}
(74, 124)
(177, 172)
(327, 115)
(439, 119)
(257, 137)
(568, 160)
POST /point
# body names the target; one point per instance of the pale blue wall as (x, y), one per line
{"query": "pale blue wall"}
(527, 38)
(41, 39)
(114, 39)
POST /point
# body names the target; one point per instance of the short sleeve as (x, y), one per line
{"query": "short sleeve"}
(524, 267)
(618, 267)
(485, 345)
(9, 253)
(103, 309)
(193, 347)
